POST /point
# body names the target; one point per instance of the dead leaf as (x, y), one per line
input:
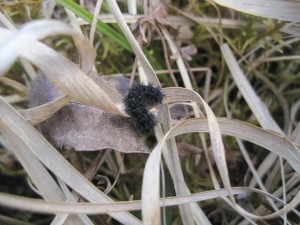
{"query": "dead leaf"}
(83, 127)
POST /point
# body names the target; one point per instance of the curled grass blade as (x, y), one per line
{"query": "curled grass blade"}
(287, 10)
(150, 196)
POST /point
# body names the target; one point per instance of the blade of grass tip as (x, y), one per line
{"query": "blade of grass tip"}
(152, 78)
(55, 162)
(74, 21)
(102, 27)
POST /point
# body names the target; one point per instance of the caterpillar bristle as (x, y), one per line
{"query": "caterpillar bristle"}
(138, 99)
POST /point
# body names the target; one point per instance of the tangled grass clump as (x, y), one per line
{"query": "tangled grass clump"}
(206, 72)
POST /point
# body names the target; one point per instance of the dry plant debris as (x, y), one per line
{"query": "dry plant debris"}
(227, 130)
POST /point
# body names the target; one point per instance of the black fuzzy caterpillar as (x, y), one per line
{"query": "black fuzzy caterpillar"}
(137, 101)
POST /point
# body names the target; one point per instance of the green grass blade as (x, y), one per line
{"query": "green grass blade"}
(102, 27)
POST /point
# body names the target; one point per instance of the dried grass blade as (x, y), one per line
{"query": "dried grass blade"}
(41, 113)
(91, 208)
(42, 206)
(277, 9)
